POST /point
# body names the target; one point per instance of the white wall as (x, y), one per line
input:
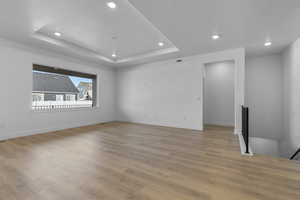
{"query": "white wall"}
(264, 146)
(219, 93)
(264, 96)
(16, 117)
(290, 140)
(163, 93)
(170, 94)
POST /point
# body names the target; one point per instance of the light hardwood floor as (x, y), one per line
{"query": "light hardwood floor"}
(121, 161)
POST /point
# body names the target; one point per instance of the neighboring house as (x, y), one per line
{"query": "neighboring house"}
(85, 91)
(53, 87)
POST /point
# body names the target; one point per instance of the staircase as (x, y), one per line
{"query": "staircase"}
(295, 154)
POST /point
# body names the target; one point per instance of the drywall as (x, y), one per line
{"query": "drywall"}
(264, 146)
(16, 116)
(264, 96)
(219, 93)
(165, 93)
(290, 140)
(170, 93)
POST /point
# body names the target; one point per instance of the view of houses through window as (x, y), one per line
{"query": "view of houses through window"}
(55, 89)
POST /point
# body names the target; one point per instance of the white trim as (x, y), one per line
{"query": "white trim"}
(243, 146)
(237, 131)
(238, 56)
(91, 53)
(18, 134)
(71, 47)
(148, 55)
(51, 53)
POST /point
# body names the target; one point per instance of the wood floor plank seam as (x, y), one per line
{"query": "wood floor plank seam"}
(127, 161)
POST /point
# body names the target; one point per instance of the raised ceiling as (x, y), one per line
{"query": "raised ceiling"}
(92, 31)
(87, 27)
(241, 23)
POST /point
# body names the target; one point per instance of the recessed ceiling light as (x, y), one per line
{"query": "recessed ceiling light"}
(58, 34)
(161, 44)
(114, 55)
(268, 43)
(111, 5)
(215, 37)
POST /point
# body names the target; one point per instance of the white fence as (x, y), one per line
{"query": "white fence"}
(47, 105)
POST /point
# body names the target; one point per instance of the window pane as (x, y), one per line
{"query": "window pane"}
(62, 89)
(37, 97)
(59, 97)
(70, 97)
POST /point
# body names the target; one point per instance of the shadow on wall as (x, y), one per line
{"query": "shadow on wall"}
(264, 146)
(219, 94)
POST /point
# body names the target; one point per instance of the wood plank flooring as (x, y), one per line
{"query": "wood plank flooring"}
(123, 161)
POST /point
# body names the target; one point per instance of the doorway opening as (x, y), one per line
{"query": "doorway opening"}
(218, 96)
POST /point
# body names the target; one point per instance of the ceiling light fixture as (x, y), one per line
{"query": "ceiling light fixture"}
(161, 44)
(111, 5)
(268, 43)
(58, 34)
(215, 37)
(114, 55)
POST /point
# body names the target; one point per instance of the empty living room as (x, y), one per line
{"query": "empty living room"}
(150, 100)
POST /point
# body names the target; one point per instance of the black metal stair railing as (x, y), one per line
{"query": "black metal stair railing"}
(245, 127)
(295, 154)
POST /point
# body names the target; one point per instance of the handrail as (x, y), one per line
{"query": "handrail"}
(295, 154)
(245, 127)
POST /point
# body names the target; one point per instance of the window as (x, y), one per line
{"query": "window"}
(37, 97)
(55, 88)
(70, 97)
(59, 97)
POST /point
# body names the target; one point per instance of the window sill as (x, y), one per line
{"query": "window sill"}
(59, 110)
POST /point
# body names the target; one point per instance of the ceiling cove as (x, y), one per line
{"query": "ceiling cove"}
(92, 28)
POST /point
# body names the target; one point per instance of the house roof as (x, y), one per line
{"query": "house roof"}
(46, 82)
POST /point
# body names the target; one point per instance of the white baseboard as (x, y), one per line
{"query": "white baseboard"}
(243, 146)
(13, 135)
(237, 131)
(163, 125)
